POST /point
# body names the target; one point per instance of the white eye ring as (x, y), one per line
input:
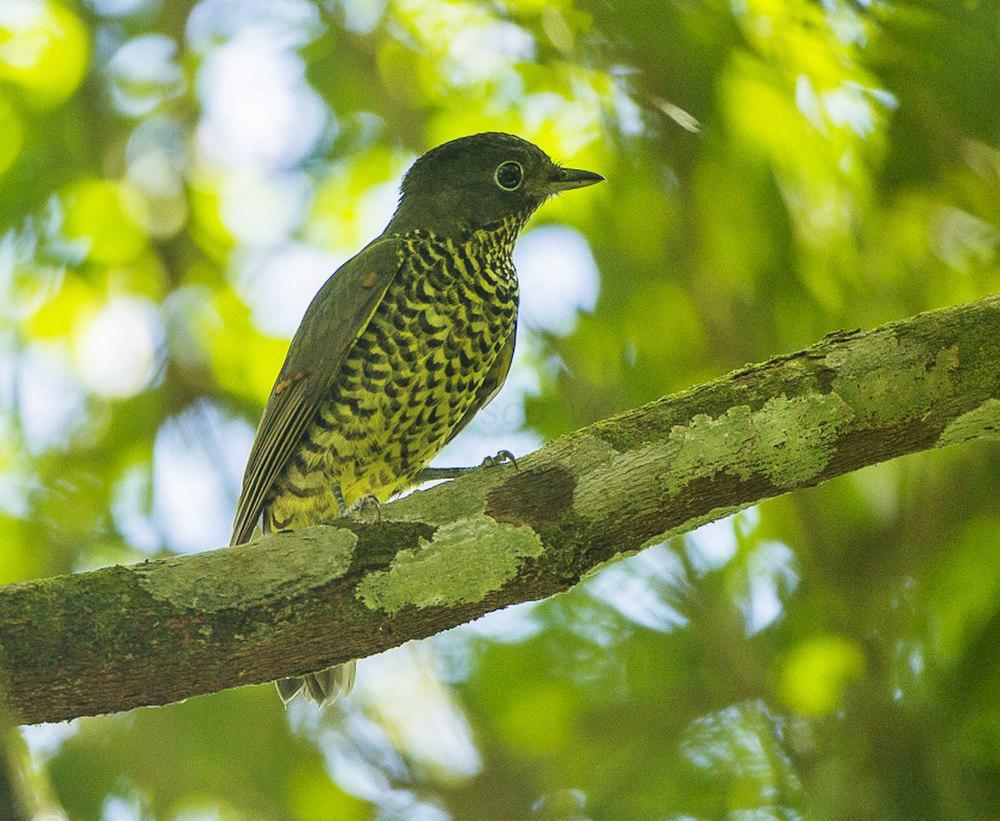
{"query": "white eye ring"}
(502, 175)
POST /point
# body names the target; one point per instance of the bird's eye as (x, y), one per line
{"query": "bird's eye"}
(509, 175)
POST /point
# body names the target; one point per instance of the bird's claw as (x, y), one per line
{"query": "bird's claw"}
(433, 474)
(500, 457)
(365, 503)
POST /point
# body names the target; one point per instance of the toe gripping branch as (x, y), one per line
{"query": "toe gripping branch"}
(501, 457)
(368, 502)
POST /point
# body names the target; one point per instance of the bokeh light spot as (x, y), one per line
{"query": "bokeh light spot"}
(96, 213)
(116, 350)
(43, 48)
(144, 73)
(816, 672)
(558, 278)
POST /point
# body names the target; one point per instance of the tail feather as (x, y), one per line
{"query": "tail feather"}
(288, 688)
(323, 687)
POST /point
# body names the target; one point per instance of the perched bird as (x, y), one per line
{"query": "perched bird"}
(399, 349)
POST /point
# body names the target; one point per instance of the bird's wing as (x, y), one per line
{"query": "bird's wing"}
(491, 385)
(337, 316)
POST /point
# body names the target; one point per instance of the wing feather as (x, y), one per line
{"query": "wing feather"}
(337, 316)
(275, 441)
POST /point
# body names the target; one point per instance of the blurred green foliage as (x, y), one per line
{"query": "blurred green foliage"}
(177, 177)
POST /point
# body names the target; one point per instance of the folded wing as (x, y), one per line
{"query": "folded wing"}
(337, 316)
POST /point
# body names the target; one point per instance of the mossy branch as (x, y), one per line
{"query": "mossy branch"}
(152, 633)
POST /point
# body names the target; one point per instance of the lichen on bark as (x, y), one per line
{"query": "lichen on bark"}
(464, 561)
(881, 375)
(982, 422)
(255, 573)
(788, 440)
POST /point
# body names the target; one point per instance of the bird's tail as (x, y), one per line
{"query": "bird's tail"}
(323, 687)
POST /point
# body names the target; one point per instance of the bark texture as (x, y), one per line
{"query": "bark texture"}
(156, 632)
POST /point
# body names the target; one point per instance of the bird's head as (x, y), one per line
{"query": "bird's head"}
(475, 181)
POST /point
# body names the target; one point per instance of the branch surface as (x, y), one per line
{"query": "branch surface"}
(160, 631)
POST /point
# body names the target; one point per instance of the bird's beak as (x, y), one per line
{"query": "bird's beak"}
(562, 179)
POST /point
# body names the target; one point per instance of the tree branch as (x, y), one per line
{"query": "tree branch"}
(287, 604)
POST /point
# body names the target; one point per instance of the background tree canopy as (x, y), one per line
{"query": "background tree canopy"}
(176, 180)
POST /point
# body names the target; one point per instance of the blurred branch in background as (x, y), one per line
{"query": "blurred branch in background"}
(164, 630)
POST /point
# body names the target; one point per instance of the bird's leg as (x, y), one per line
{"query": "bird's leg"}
(428, 474)
(362, 504)
(500, 457)
(338, 495)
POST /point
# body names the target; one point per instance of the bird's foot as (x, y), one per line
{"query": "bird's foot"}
(432, 474)
(363, 504)
(500, 458)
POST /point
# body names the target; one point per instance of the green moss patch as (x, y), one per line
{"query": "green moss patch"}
(264, 569)
(463, 562)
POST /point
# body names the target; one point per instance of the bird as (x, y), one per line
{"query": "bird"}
(399, 349)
